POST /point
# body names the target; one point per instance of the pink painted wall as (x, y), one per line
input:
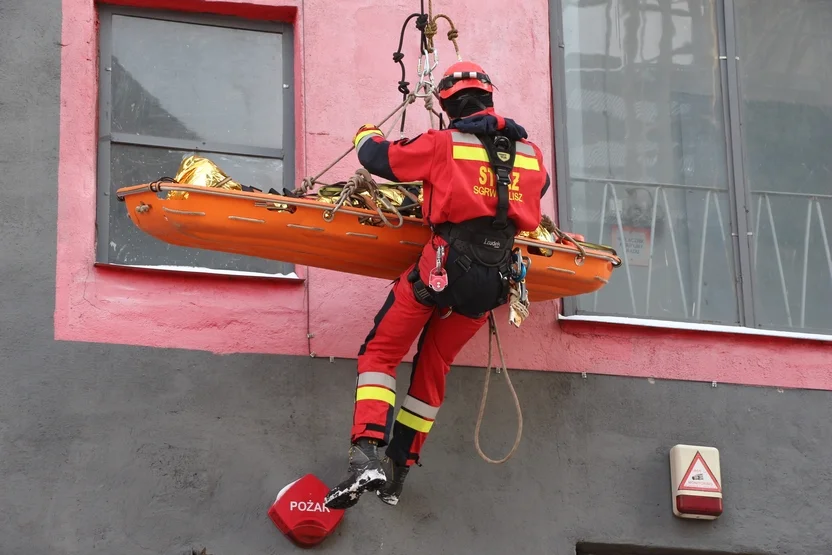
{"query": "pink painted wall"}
(345, 77)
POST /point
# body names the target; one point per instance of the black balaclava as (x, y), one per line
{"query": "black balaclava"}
(467, 102)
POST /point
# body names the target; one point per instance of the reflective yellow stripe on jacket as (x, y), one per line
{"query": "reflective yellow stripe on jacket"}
(469, 147)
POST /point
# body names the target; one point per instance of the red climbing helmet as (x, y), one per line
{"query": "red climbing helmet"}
(463, 75)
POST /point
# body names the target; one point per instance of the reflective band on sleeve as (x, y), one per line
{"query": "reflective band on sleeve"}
(415, 422)
(371, 393)
(377, 378)
(422, 409)
(365, 136)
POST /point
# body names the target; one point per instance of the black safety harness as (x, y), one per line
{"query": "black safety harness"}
(487, 241)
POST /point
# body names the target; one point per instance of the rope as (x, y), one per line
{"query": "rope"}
(493, 332)
(360, 182)
(308, 183)
(398, 55)
(563, 237)
(426, 23)
(431, 29)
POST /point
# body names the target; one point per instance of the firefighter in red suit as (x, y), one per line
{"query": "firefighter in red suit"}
(482, 183)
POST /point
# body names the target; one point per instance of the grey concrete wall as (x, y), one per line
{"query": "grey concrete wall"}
(139, 451)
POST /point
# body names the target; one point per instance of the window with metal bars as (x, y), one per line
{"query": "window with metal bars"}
(693, 137)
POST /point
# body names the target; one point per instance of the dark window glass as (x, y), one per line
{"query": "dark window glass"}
(186, 81)
(173, 85)
(786, 79)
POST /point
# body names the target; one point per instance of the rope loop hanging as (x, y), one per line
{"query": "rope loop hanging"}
(493, 333)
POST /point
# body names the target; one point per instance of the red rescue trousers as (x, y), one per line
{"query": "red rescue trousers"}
(397, 325)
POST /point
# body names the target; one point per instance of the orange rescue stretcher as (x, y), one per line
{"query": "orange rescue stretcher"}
(331, 235)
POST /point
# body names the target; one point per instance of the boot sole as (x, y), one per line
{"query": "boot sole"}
(345, 497)
(387, 499)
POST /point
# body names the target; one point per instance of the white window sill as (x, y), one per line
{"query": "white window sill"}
(689, 326)
(290, 277)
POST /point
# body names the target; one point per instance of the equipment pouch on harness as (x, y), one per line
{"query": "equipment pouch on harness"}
(472, 290)
(479, 242)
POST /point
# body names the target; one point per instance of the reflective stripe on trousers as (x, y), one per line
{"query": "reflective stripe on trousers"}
(396, 326)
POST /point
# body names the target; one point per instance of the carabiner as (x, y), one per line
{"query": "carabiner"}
(518, 268)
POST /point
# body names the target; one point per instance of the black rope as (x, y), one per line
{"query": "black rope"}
(398, 55)
(421, 24)
(422, 21)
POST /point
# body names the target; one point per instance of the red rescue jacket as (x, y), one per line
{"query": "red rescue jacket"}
(458, 183)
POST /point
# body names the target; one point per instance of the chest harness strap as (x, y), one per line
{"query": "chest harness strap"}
(501, 153)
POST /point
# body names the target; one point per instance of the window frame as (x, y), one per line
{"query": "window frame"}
(106, 138)
(592, 548)
(739, 195)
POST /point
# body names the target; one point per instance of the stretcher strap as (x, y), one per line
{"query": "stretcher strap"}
(493, 332)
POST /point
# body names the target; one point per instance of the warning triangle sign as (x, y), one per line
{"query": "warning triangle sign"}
(699, 477)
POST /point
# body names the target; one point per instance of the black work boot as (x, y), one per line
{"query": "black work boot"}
(392, 488)
(365, 474)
